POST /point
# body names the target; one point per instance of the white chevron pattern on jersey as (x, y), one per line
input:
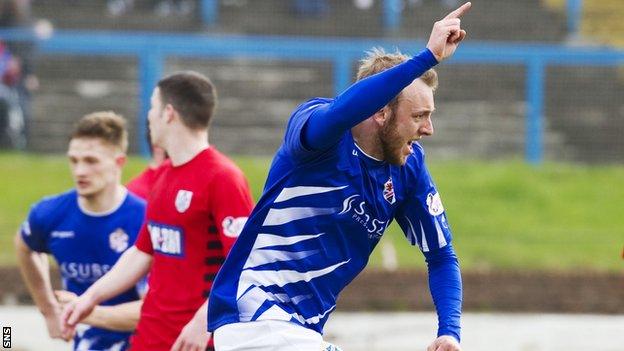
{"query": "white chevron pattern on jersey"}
(286, 215)
(297, 191)
(250, 296)
(250, 277)
(265, 240)
(265, 256)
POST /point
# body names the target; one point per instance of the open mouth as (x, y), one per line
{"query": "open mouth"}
(411, 142)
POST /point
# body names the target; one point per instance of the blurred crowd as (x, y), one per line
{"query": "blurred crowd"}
(161, 7)
(18, 80)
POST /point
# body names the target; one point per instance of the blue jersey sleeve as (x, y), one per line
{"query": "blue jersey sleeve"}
(294, 142)
(424, 223)
(446, 289)
(422, 216)
(33, 230)
(328, 122)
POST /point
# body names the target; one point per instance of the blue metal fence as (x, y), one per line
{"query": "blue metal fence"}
(152, 49)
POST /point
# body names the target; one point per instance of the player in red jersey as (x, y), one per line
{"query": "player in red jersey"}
(142, 184)
(195, 211)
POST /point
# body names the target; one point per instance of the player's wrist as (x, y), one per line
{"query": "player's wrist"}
(450, 336)
(51, 309)
(92, 297)
(430, 58)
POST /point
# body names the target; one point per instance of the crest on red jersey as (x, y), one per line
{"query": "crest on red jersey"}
(388, 192)
(183, 200)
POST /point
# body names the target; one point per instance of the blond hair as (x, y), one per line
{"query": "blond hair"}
(105, 125)
(378, 60)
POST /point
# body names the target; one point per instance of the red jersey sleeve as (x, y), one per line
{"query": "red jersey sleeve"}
(230, 205)
(144, 241)
(142, 184)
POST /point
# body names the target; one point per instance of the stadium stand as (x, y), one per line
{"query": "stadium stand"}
(482, 106)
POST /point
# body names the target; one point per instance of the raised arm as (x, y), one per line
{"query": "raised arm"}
(131, 266)
(328, 123)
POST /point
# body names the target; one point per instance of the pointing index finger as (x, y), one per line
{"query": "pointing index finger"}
(460, 11)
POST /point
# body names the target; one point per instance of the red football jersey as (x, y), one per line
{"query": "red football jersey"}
(195, 211)
(142, 184)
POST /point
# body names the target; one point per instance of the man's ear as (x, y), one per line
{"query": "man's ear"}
(381, 117)
(121, 160)
(170, 113)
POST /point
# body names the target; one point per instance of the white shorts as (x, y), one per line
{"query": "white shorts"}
(271, 335)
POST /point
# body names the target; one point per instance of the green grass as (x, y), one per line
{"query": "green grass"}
(504, 215)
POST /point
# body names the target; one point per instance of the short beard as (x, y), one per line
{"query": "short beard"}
(391, 143)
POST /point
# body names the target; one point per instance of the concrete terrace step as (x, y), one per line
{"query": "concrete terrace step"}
(494, 20)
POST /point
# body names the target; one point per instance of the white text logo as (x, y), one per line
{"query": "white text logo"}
(373, 226)
(165, 239)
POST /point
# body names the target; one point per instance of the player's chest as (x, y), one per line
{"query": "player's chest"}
(177, 200)
(86, 250)
(371, 202)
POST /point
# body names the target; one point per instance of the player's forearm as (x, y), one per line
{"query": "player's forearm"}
(131, 266)
(123, 317)
(362, 100)
(35, 271)
(201, 316)
(446, 290)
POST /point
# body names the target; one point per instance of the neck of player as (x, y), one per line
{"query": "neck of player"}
(184, 145)
(367, 139)
(105, 201)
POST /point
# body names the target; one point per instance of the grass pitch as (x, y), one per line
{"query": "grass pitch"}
(504, 215)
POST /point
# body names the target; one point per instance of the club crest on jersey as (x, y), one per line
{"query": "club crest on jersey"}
(233, 226)
(118, 240)
(388, 192)
(434, 204)
(183, 200)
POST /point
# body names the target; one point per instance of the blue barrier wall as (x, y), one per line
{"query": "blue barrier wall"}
(153, 48)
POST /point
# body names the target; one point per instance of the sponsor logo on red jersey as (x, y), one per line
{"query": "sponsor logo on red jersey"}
(233, 226)
(166, 239)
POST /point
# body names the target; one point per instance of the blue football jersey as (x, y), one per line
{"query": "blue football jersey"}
(315, 226)
(86, 246)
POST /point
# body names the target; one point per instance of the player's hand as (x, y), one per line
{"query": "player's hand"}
(194, 336)
(447, 34)
(64, 297)
(75, 311)
(53, 323)
(444, 343)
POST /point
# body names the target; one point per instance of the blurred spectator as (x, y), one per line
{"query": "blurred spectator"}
(161, 7)
(17, 14)
(119, 7)
(449, 4)
(168, 7)
(367, 4)
(12, 131)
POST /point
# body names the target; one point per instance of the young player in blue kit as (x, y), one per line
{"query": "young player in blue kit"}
(347, 167)
(86, 229)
